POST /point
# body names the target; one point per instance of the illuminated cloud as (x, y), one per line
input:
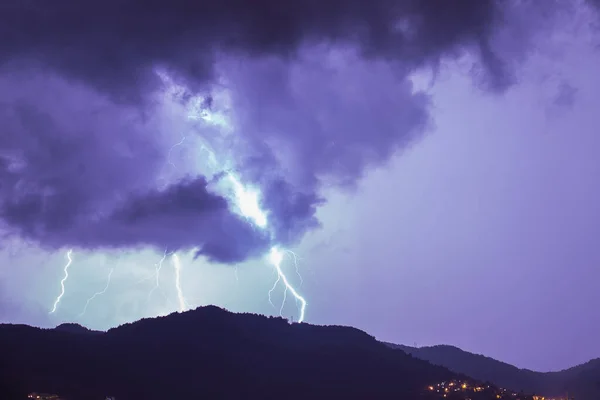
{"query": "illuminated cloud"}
(302, 96)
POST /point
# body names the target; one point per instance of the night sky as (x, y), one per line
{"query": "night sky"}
(432, 166)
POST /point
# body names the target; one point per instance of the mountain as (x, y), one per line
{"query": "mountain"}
(582, 381)
(75, 328)
(209, 353)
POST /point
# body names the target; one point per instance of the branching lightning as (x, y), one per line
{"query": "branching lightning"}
(174, 256)
(295, 259)
(171, 150)
(272, 289)
(280, 277)
(276, 258)
(62, 282)
(285, 290)
(247, 201)
(87, 303)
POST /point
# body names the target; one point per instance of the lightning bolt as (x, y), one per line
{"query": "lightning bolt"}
(272, 289)
(249, 207)
(287, 286)
(87, 303)
(180, 298)
(175, 257)
(276, 258)
(295, 259)
(285, 290)
(62, 282)
(171, 150)
(248, 204)
(247, 201)
(157, 275)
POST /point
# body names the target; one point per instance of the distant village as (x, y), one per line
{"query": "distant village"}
(464, 390)
(450, 390)
(447, 390)
(46, 396)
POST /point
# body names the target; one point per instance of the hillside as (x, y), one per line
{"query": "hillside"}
(209, 353)
(75, 328)
(582, 381)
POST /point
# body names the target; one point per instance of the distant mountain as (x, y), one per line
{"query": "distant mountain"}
(582, 381)
(210, 353)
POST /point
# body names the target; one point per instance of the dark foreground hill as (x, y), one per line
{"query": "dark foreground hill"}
(75, 328)
(209, 353)
(582, 381)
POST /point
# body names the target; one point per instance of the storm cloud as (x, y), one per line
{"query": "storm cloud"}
(115, 44)
(316, 93)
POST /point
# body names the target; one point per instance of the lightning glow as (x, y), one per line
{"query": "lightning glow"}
(276, 258)
(87, 303)
(180, 298)
(247, 201)
(175, 257)
(62, 282)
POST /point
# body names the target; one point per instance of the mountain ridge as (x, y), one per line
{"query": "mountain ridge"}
(211, 352)
(581, 380)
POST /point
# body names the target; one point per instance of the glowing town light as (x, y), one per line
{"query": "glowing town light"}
(62, 282)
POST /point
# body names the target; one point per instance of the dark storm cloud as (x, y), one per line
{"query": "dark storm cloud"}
(185, 215)
(114, 44)
(329, 117)
(82, 172)
(319, 90)
(291, 212)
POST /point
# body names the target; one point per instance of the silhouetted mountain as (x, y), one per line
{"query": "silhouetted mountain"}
(211, 353)
(75, 328)
(582, 381)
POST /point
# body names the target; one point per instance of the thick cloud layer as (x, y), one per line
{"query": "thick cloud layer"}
(115, 44)
(316, 92)
(184, 215)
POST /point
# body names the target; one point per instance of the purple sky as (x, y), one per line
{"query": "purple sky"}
(434, 167)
